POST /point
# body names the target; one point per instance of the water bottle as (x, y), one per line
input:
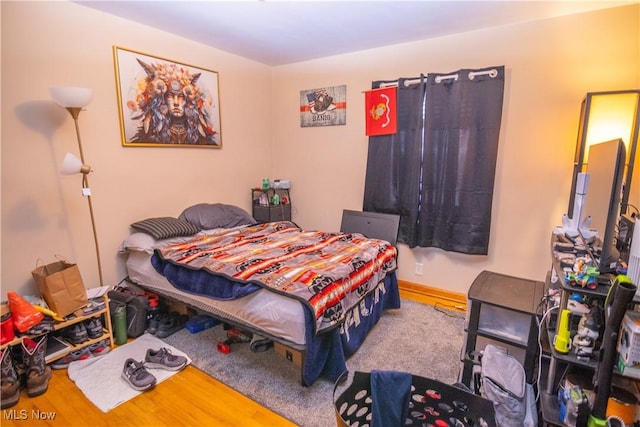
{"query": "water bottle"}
(120, 324)
(265, 184)
(154, 308)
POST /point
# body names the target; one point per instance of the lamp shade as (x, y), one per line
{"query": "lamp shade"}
(71, 97)
(72, 165)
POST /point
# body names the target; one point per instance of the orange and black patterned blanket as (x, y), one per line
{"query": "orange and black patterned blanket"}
(329, 272)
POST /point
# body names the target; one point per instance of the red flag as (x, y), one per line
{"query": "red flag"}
(380, 110)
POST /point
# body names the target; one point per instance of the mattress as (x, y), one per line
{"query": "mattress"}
(263, 310)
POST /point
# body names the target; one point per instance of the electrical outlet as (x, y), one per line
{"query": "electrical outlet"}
(419, 268)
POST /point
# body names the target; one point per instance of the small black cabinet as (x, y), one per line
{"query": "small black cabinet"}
(272, 204)
(502, 312)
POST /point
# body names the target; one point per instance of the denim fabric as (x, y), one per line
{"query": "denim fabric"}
(390, 393)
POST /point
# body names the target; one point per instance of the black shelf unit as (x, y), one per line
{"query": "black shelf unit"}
(502, 312)
(559, 362)
(269, 211)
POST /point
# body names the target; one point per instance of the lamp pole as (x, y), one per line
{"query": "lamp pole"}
(86, 191)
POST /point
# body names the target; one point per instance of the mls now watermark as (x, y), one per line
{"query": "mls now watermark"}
(23, 414)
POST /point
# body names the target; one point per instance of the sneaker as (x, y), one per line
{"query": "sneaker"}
(94, 327)
(171, 323)
(100, 348)
(76, 333)
(137, 376)
(154, 322)
(163, 359)
(64, 362)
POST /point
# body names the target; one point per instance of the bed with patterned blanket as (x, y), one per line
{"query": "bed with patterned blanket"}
(317, 292)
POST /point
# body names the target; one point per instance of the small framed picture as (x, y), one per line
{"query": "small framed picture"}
(164, 103)
(325, 106)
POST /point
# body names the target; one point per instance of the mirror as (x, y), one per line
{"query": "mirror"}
(605, 116)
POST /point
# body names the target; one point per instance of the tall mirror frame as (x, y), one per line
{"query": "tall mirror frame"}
(605, 116)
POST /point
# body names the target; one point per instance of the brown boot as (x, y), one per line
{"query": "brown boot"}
(9, 380)
(37, 371)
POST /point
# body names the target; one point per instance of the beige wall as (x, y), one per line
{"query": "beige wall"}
(48, 44)
(550, 65)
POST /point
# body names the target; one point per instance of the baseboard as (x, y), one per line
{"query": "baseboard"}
(433, 296)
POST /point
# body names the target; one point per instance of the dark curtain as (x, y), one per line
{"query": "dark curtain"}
(438, 171)
(392, 181)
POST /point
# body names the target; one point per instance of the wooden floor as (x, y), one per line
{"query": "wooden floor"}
(189, 398)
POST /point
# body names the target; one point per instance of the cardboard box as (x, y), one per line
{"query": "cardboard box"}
(291, 354)
(179, 307)
(629, 339)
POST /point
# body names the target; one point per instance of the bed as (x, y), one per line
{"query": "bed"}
(319, 293)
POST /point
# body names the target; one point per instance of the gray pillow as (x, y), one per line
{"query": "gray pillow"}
(208, 216)
(165, 227)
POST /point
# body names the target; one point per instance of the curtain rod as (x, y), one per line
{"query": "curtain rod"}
(472, 74)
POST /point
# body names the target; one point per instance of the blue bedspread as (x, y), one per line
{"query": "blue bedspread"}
(327, 353)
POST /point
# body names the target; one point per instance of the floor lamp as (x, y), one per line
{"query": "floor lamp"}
(73, 99)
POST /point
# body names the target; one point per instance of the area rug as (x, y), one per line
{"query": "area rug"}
(100, 378)
(417, 338)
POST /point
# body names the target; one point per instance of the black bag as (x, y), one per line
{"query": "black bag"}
(353, 401)
(137, 307)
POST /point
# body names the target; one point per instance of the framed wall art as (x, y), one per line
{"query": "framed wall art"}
(323, 107)
(164, 103)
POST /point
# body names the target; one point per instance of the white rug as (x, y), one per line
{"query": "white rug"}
(100, 378)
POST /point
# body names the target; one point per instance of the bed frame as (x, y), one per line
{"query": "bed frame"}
(293, 352)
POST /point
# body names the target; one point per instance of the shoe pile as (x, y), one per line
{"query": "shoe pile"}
(93, 350)
(139, 378)
(162, 325)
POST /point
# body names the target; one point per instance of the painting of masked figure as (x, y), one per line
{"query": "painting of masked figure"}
(166, 103)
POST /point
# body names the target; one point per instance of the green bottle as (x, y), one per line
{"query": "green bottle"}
(120, 324)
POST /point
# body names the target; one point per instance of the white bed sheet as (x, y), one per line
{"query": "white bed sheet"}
(263, 310)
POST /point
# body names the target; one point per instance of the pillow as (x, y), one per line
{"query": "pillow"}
(208, 216)
(141, 242)
(165, 227)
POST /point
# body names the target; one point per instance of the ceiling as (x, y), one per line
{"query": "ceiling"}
(283, 32)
